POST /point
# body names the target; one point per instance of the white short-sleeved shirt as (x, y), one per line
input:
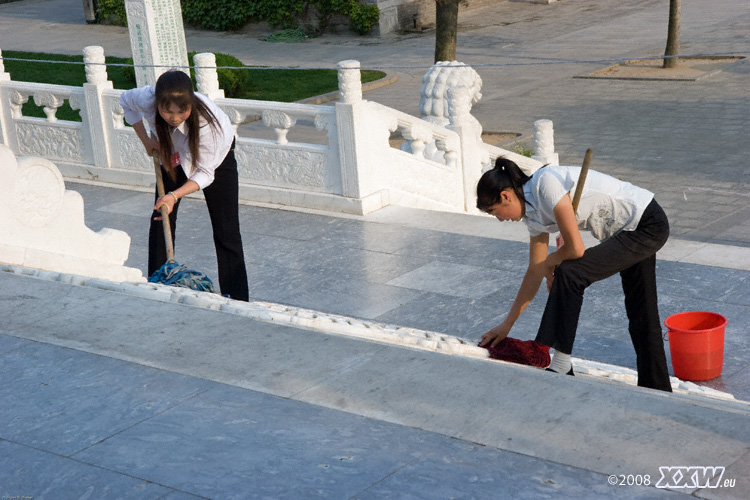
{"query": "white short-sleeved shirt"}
(607, 205)
(140, 104)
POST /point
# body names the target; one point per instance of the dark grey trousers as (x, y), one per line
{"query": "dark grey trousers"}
(633, 255)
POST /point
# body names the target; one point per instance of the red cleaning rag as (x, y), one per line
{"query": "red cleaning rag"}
(524, 352)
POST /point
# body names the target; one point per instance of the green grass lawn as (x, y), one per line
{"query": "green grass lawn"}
(285, 85)
(61, 74)
(289, 85)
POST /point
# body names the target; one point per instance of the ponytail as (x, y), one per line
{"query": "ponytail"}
(505, 175)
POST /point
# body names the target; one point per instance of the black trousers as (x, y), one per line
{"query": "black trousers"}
(633, 255)
(223, 209)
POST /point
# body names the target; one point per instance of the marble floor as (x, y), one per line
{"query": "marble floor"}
(441, 280)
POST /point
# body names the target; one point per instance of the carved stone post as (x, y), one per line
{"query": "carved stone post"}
(4, 113)
(206, 77)
(350, 82)
(94, 118)
(348, 111)
(544, 143)
(4, 77)
(459, 113)
(96, 69)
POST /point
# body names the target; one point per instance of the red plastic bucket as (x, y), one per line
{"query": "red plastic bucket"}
(696, 343)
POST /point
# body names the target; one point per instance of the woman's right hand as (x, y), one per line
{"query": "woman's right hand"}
(150, 143)
(152, 147)
(495, 336)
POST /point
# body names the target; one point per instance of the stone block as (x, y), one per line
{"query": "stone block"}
(42, 225)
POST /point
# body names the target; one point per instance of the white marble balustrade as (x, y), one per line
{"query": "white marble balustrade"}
(334, 157)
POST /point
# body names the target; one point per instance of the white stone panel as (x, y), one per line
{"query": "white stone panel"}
(42, 225)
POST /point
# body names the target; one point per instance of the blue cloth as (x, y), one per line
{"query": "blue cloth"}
(174, 274)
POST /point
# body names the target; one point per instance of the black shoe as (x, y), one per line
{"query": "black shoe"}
(570, 372)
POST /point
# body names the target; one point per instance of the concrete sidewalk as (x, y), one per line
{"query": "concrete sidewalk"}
(117, 395)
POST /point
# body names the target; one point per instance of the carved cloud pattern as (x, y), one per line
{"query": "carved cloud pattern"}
(60, 143)
(281, 166)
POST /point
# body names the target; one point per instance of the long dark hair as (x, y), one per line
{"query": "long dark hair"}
(505, 175)
(176, 87)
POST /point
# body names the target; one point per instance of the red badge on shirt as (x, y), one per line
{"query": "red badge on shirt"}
(175, 160)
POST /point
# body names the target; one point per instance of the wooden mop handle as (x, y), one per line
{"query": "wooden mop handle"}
(582, 179)
(579, 189)
(163, 210)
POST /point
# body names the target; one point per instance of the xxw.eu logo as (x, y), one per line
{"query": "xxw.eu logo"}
(690, 477)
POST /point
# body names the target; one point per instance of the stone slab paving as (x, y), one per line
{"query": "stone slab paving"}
(448, 273)
(215, 405)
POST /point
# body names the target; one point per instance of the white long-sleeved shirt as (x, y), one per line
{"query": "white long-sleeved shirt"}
(140, 104)
(607, 205)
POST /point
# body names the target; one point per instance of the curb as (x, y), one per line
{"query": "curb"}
(388, 79)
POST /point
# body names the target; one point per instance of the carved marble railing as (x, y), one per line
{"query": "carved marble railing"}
(279, 161)
(47, 137)
(335, 157)
(426, 170)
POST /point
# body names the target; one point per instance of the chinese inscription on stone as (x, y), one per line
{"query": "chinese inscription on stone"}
(157, 38)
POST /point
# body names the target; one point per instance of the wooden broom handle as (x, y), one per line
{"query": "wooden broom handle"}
(163, 210)
(582, 179)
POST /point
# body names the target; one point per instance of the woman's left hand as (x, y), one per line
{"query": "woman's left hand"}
(495, 336)
(168, 201)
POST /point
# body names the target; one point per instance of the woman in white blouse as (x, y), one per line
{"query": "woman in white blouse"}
(631, 226)
(195, 144)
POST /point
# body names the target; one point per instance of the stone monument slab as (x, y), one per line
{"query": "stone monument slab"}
(157, 38)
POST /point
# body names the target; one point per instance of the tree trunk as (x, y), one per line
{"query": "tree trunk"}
(446, 29)
(89, 11)
(673, 35)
